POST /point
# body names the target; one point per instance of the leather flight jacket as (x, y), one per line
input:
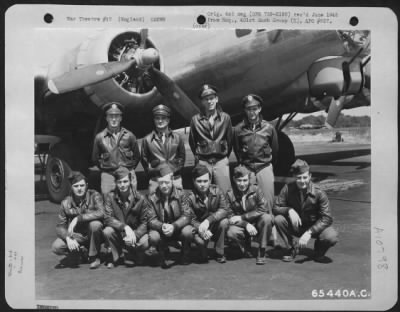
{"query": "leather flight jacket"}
(313, 209)
(178, 215)
(155, 152)
(91, 208)
(132, 213)
(255, 148)
(254, 202)
(110, 153)
(214, 209)
(211, 143)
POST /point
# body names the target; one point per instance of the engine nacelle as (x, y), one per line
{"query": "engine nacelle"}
(133, 89)
(335, 76)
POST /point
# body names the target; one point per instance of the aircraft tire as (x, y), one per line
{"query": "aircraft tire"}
(286, 155)
(57, 172)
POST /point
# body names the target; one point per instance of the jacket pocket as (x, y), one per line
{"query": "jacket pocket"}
(223, 146)
(203, 147)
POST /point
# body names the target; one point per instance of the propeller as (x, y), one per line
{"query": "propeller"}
(173, 94)
(144, 32)
(95, 73)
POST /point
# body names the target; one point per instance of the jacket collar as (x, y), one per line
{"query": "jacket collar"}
(173, 195)
(218, 112)
(155, 134)
(311, 191)
(84, 201)
(107, 131)
(133, 196)
(251, 189)
(212, 192)
(248, 124)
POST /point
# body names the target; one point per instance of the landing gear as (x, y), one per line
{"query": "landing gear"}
(57, 172)
(62, 159)
(286, 153)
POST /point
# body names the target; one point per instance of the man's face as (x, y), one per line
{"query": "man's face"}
(302, 180)
(252, 113)
(79, 188)
(124, 184)
(242, 183)
(209, 102)
(165, 184)
(161, 122)
(202, 183)
(114, 120)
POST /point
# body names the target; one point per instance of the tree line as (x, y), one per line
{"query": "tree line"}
(343, 121)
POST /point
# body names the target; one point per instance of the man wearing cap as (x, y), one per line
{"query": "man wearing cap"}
(80, 223)
(250, 217)
(113, 147)
(162, 146)
(302, 210)
(255, 144)
(209, 212)
(167, 217)
(125, 221)
(210, 137)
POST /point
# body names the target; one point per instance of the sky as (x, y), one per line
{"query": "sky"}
(52, 43)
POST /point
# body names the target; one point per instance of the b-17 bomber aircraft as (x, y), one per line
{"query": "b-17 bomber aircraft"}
(294, 71)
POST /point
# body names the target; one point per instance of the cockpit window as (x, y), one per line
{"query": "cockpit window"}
(242, 32)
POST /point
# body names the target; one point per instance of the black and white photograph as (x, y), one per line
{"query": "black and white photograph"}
(230, 161)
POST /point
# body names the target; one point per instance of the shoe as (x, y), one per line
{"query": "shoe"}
(247, 254)
(261, 260)
(95, 264)
(129, 263)
(291, 256)
(322, 259)
(110, 265)
(84, 254)
(220, 259)
(184, 260)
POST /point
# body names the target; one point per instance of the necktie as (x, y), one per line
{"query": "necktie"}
(244, 202)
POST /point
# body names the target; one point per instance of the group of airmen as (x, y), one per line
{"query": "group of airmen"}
(236, 211)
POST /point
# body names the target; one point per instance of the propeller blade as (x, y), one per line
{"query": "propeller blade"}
(173, 94)
(144, 32)
(335, 108)
(87, 75)
(95, 73)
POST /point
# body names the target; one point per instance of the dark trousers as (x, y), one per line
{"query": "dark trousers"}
(240, 236)
(218, 229)
(323, 241)
(91, 236)
(115, 242)
(160, 241)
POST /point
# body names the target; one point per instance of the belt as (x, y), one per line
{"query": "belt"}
(212, 160)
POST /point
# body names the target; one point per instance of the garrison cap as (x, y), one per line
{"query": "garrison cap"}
(252, 100)
(207, 89)
(163, 170)
(161, 110)
(113, 108)
(240, 171)
(76, 176)
(121, 172)
(199, 171)
(299, 167)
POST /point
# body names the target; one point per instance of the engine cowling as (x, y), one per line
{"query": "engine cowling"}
(133, 88)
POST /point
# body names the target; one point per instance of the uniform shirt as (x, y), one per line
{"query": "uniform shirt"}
(89, 209)
(178, 216)
(214, 207)
(155, 152)
(255, 147)
(313, 209)
(131, 212)
(110, 153)
(249, 206)
(211, 142)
